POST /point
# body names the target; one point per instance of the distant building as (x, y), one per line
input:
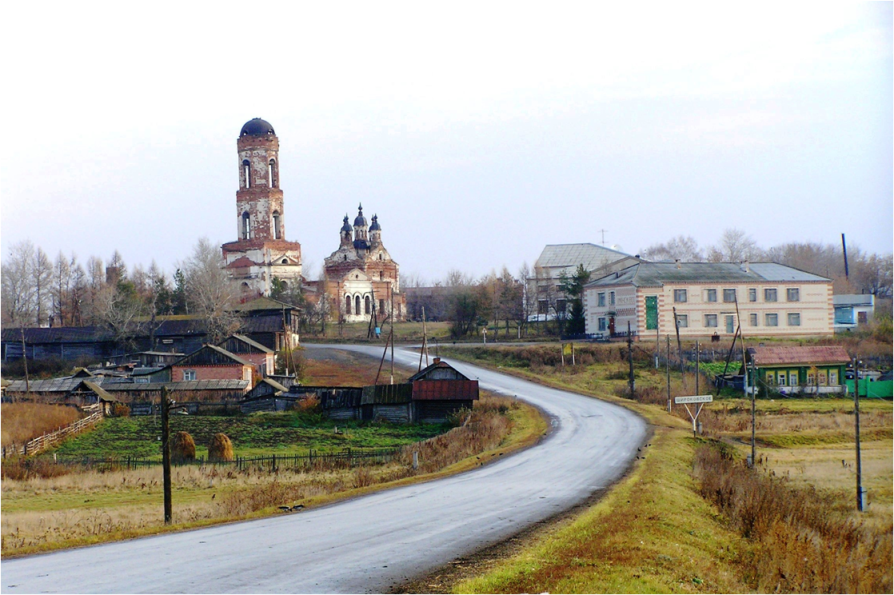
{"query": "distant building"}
(852, 310)
(261, 251)
(773, 300)
(789, 370)
(361, 277)
(555, 259)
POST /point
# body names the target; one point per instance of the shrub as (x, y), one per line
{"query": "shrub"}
(183, 448)
(220, 449)
(120, 410)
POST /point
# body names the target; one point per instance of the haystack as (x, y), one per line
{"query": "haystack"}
(220, 449)
(183, 448)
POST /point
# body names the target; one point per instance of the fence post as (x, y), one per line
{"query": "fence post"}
(274, 463)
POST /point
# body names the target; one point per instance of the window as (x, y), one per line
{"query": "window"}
(781, 379)
(246, 173)
(771, 378)
(271, 173)
(143, 380)
(729, 295)
(793, 294)
(711, 320)
(602, 324)
(347, 304)
(794, 319)
(679, 295)
(600, 300)
(833, 378)
(752, 319)
(793, 379)
(356, 304)
(542, 307)
(611, 298)
(381, 305)
(811, 379)
(381, 275)
(771, 320)
(246, 226)
(683, 320)
(189, 374)
(276, 232)
(752, 295)
(561, 306)
(769, 295)
(822, 378)
(367, 306)
(710, 295)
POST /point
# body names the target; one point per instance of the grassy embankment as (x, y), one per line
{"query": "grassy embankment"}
(662, 529)
(86, 507)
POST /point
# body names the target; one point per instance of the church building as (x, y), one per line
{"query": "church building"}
(261, 251)
(362, 276)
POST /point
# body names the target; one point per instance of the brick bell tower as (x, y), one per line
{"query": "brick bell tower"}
(261, 252)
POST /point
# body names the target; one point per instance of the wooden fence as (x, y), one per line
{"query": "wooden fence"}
(40, 444)
(313, 460)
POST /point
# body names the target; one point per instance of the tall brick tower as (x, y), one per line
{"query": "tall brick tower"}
(261, 252)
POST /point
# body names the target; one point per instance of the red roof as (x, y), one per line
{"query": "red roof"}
(242, 261)
(770, 356)
(445, 390)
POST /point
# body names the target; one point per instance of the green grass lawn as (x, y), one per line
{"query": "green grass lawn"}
(260, 434)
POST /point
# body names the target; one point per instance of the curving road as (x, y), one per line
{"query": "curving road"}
(371, 543)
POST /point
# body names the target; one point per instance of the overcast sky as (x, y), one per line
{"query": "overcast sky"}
(477, 132)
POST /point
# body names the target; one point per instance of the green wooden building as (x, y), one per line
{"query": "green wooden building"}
(793, 370)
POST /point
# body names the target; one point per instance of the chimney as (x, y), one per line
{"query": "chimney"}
(436, 360)
(677, 261)
(746, 266)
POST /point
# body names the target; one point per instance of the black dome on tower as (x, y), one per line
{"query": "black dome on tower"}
(375, 224)
(360, 220)
(347, 226)
(256, 127)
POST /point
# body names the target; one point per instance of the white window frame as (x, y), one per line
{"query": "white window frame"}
(771, 319)
(711, 296)
(683, 320)
(753, 319)
(793, 319)
(680, 296)
(792, 294)
(710, 321)
(752, 294)
(771, 294)
(189, 375)
(734, 294)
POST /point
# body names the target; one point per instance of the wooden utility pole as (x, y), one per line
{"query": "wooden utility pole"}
(25, 362)
(680, 349)
(391, 293)
(857, 430)
(631, 383)
(667, 365)
(166, 454)
(697, 365)
(753, 411)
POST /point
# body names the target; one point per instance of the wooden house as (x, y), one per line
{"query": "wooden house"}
(791, 370)
(252, 351)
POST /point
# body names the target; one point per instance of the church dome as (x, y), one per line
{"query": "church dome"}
(347, 226)
(375, 224)
(360, 220)
(256, 127)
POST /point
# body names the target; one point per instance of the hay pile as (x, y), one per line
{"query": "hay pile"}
(183, 448)
(220, 449)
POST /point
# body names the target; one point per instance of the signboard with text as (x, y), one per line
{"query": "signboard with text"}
(698, 399)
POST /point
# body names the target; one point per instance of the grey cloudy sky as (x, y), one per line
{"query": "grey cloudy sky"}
(478, 132)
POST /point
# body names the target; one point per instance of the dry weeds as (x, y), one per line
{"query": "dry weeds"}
(25, 421)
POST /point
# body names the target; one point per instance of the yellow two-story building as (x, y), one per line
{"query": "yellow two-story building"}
(705, 299)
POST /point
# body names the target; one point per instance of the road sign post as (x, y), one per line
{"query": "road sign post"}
(700, 400)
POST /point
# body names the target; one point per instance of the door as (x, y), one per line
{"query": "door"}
(730, 328)
(651, 312)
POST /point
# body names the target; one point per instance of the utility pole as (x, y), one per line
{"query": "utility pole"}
(697, 362)
(391, 293)
(857, 427)
(667, 366)
(166, 454)
(631, 382)
(753, 396)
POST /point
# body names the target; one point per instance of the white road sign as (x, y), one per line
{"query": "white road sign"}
(699, 399)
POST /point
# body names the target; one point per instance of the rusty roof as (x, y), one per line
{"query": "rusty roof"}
(825, 354)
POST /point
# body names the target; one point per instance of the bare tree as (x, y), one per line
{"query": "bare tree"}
(683, 248)
(61, 288)
(210, 291)
(17, 288)
(117, 308)
(41, 280)
(735, 246)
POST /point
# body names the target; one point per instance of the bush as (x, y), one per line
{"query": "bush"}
(220, 449)
(183, 448)
(120, 410)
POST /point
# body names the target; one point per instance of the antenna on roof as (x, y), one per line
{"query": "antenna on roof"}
(602, 231)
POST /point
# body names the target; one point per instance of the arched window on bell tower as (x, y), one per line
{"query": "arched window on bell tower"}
(246, 226)
(277, 233)
(271, 174)
(347, 304)
(357, 304)
(246, 172)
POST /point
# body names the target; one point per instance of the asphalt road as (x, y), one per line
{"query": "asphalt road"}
(372, 543)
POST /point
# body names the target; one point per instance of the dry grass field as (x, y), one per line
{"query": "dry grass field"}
(22, 422)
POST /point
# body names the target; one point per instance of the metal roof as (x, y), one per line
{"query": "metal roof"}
(821, 354)
(183, 385)
(571, 255)
(656, 274)
(248, 341)
(853, 299)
